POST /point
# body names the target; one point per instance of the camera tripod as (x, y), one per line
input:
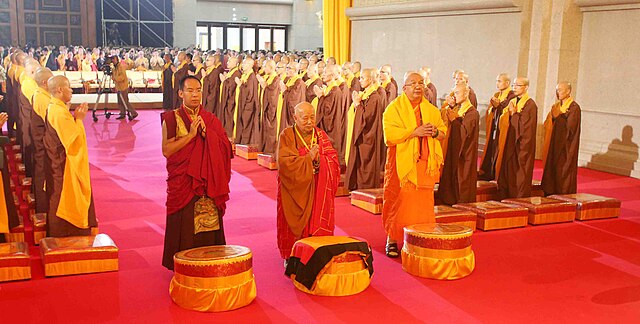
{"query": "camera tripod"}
(107, 114)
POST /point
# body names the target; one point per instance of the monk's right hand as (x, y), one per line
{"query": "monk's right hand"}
(193, 131)
(422, 131)
(317, 90)
(495, 102)
(313, 152)
(81, 111)
(222, 77)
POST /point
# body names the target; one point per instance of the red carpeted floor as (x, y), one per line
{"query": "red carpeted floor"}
(575, 272)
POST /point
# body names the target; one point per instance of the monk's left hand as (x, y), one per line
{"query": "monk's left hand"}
(313, 152)
(81, 111)
(356, 97)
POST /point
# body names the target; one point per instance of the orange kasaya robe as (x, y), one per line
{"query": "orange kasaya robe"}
(305, 200)
(413, 165)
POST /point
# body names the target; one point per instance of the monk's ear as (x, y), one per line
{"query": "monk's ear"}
(180, 94)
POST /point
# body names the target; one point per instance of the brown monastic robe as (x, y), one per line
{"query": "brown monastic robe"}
(329, 116)
(488, 163)
(459, 174)
(211, 90)
(180, 74)
(391, 90)
(310, 94)
(248, 128)
(560, 156)
(41, 99)
(269, 122)
(515, 168)
(292, 96)
(228, 102)
(167, 87)
(346, 101)
(473, 98)
(431, 93)
(366, 162)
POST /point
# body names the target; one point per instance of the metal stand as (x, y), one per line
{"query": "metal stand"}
(107, 114)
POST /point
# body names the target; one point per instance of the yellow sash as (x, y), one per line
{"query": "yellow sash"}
(208, 71)
(503, 125)
(41, 100)
(75, 197)
(464, 107)
(350, 79)
(173, 77)
(227, 75)
(28, 88)
(351, 116)
(311, 80)
(399, 121)
(548, 126)
(385, 83)
(269, 81)
(243, 79)
(520, 104)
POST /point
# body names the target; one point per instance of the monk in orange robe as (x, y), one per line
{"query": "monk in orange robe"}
(413, 130)
(561, 145)
(459, 173)
(198, 156)
(497, 103)
(308, 176)
(71, 208)
(517, 143)
(41, 100)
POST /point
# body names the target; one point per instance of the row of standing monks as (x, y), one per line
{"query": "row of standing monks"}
(53, 147)
(255, 103)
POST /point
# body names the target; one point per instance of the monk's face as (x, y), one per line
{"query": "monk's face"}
(460, 79)
(414, 87)
(291, 70)
(461, 94)
(519, 87)
(384, 75)
(562, 92)
(321, 67)
(65, 91)
(365, 80)
(502, 83)
(211, 61)
(281, 68)
(191, 93)
(247, 65)
(305, 118)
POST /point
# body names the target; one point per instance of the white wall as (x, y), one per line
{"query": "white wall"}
(306, 30)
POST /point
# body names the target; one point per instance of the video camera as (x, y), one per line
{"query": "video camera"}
(106, 67)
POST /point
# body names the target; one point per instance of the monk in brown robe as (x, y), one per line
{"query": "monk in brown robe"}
(462, 77)
(497, 103)
(27, 87)
(17, 94)
(270, 91)
(68, 183)
(303, 65)
(308, 176)
(198, 156)
(179, 73)
(167, 79)
(211, 84)
(293, 92)
(9, 100)
(431, 93)
(364, 134)
(321, 66)
(330, 102)
(313, 81)
(41, 100)
(459, 173)
(227, 105)
(517, 143)
(385, 82)
(247, 129)
(9, 217)
(413, 130)
(561, 144)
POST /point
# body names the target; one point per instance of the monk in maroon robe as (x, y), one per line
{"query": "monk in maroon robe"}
(497, 103)
(364, 134)
(293, 93)
(517, 143)
(308, 176)
(198, 156)
(430, 93)
(462, 77)
(313, 81)
(329, 113)
(459, 172)
(386, 82)
(248, 105)
(561, 145)
(179, 73)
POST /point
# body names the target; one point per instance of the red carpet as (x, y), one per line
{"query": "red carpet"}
(576, 272)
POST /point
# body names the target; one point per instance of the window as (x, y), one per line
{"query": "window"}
(241, 37)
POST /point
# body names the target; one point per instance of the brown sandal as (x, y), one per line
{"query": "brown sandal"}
(391, 250)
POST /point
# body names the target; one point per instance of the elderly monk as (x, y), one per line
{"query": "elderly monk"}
(313, 81)
(27, 86)
(292, 91)
(167, 79)
(497, 103)
(364, 145)
(9, 217)
(269, 93)
(308, 176)
(247, 120)
(41, 100)
(198, 156)
(517, 143)
(386, 83)
(179, 73)
(459, 173)
(227, 104)
(462, 77)
(561, 144)
(329, 110)
(68, 184)
(431, 93)
(211, 84)
(413, 130)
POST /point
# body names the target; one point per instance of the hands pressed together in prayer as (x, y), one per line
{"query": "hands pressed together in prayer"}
(203, 72)
(238, 81)
(512, 108)
(222, 77)
(3, 118)
(494, 102)
(451, 114)
(451, 101)
(555, 111)
(314, 151)
(283, 87)
(81, 111)
(196, 125)
(174, 69)
(261, 80)
(424, 130)
(356, 96)
(318, 91)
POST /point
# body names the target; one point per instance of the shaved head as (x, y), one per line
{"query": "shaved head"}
(303, 107)
(30, 67)
(563, 90)
(56, 82)
(42, 76)
(356, 67)
(565, 84)
(304, 117)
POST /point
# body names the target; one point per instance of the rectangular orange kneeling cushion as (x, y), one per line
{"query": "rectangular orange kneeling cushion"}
(268, 161)
(544, 210)
(39, 227)
(493, 215)
(14, 261)
(248, 152)
(78, 254)
(592, 206)
(368, 199)
(536, 189)
(16, 234)
(486, 190)
(450, 215)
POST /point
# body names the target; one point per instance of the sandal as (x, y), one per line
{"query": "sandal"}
(392, 250)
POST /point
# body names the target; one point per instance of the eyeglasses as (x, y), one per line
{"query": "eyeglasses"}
(415, 85)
